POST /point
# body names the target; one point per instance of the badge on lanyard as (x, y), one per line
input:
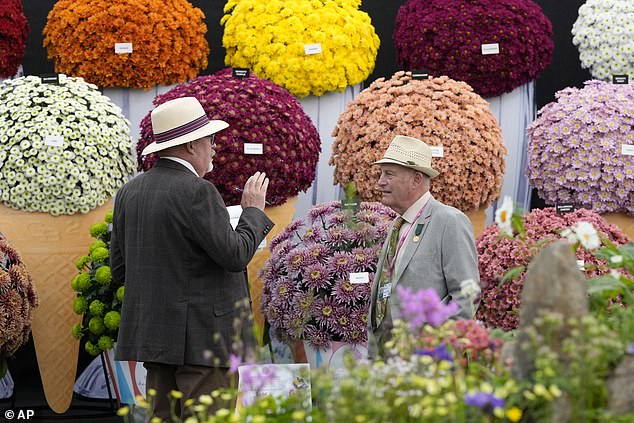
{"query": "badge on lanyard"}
(385, 291)
(419, 230)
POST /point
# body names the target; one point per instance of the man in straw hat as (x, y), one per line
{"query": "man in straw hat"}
(430, 244)
(181, 261)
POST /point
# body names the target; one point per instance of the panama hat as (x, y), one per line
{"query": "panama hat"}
(180, 121)
(409, 152)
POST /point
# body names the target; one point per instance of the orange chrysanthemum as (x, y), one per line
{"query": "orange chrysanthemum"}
(167, 37)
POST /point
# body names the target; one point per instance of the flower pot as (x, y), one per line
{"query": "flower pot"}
(623, 221)
(49, 246)
(281, 215)
(332, 357)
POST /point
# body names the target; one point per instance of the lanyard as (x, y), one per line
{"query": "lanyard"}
(401, 241)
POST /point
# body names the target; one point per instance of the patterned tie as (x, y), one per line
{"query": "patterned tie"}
(381, 303)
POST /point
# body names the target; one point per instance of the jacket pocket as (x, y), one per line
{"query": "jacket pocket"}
(225, 307)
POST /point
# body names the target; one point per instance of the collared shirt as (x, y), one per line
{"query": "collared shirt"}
(409, 216)
(183, 162)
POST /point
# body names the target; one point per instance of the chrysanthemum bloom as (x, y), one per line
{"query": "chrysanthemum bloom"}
(577, 148)
(498, 254)
(440, 112)
(310, 291)
(307, 47)
(454, 37)
(260, 114)
(14, 29)
(603, 34)
(166, 41)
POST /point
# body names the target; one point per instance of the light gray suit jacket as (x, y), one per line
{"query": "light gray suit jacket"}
(444, 256)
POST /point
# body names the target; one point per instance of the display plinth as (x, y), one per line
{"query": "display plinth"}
(282, 216)
(478, 220)
(623, 221)
(49, 246)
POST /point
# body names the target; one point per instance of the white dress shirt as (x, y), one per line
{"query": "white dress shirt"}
(183, 162)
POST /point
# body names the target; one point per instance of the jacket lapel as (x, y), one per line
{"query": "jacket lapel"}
(410, 246)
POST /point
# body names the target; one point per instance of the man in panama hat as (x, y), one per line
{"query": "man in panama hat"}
(430, 244)
(181, 261)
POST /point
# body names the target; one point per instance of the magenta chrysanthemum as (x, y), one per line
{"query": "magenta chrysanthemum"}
(14, 29)
(576, 148)
(446, 37)
(499, 303)
(307, 291)
(258, 112)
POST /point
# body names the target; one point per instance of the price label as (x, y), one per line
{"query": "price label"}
(493, 48)
(359, 277)
(122, 48)
(627, 149)
(253, 148)
(437, 151)
(54, 140)
(312, 48)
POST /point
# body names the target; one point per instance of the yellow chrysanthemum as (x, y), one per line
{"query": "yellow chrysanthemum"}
(307, 47)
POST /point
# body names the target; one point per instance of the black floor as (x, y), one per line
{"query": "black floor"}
(28, 397)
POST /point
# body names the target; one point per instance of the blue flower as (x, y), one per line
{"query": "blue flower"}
(439, 353)
(484, 401)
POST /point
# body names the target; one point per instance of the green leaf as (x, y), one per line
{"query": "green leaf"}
(512, 274)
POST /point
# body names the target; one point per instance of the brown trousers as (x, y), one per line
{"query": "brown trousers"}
(191, 381)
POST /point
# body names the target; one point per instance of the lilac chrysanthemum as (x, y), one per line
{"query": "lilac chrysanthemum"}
(345, 292)
(313, 234)
(363, 258)
(316, 276)
(340, 263)
(317, 337)
(320, 210)
(323, 309)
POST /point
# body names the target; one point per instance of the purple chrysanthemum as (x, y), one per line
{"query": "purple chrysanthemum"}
(345, 292)
(317, 213)
(340, 264)
(323, 310)
(316, 276)
(317, 337)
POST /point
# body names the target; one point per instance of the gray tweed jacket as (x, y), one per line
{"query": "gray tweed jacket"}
(183, 267)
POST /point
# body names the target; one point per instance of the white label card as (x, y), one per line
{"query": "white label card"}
(437, 151)
(234, 219)
(312, 48)
(54, 140)
(253, 148)
(627, 149)
(580, 265)
(360, 277)
(491, 48)
(122, 48)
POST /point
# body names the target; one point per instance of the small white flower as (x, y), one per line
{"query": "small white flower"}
(615, 274)
(587, 235)
(469, 288)
(503, 216)
(616, 259)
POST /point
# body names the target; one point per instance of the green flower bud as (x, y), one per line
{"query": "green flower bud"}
(120, 293)
(80, 305)
(77, 331)
(100, 254)
(103, 276)
(96, 308)
(108, 217)
(111, 320)
(83, 281)
(98, 229)
(73, 284)
(96, 326)
(81, 262)
(96, 244)
(92, 349)
(105, 343)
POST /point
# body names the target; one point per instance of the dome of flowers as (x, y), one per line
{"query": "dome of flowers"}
(18, 299)
(166, 37)
(446, 37)
(307, 47)
(64, 148)
(308, 293)
(604, 34)
(439, 112)
(14, 29)
(576, 148)
(497, 255)
(260, 113)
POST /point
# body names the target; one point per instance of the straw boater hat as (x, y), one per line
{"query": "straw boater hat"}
(180, 121)
(409, 152)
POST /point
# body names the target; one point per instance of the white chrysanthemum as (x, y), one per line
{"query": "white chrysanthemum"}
(37, 173)
(503, 216)
(602, 33)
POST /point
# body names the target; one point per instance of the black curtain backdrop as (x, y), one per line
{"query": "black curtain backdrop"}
(564, 71)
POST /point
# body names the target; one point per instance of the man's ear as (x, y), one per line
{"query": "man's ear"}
(190, 148)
